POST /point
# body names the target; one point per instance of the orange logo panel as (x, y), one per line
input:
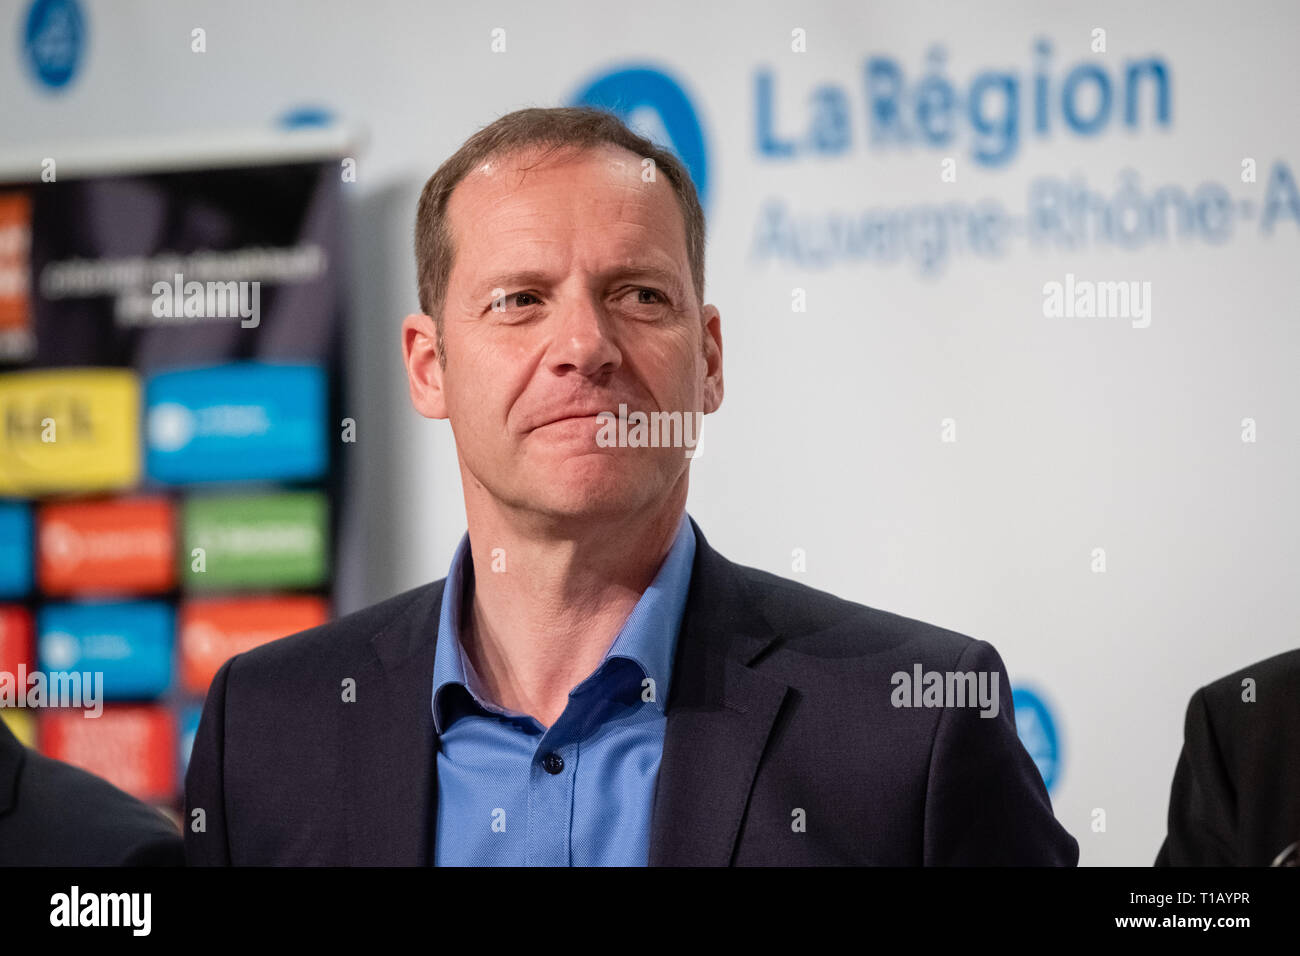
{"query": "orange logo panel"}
(213, 631)
(16, 639)
(132, 746)
(111, 546)
(15, 245)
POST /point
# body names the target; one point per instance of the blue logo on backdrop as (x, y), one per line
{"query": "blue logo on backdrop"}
(1037, 732)
(246, 421)
(991, 114)
(15, 549)
(307, 117)
(53, 41)
(653, 104)
(129, 642)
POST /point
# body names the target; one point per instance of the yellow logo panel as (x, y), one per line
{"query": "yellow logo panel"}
(69, 430)
(20, 724)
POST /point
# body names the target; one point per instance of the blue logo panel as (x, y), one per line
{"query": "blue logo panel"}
(246, 421)
(53, 40)
(130, 642)
(1038, 733)
(15, 549)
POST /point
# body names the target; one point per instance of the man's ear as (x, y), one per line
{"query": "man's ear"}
(712, 359)
(423, 369)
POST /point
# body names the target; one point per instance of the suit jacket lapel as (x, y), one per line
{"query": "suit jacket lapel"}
(387, 741)
(720, 714)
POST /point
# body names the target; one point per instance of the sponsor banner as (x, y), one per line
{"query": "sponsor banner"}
(16, 645)
(255, 541)
(164, 334)
(129, 642)
(214, 630)
(246, 421)
(15, 549)
(132, 746)
(113, 546)
(69, 430)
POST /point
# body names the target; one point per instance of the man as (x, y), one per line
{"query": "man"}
(54, 814)
(1235, 799)
(593, 684)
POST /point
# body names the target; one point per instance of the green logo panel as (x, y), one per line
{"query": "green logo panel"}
(255, 541)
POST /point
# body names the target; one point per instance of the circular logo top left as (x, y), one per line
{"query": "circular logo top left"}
(54, 41)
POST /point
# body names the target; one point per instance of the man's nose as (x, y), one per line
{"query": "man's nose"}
(583, 341)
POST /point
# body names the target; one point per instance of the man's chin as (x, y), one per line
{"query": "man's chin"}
(595, 485)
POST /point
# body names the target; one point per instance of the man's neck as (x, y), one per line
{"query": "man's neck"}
(544, 608)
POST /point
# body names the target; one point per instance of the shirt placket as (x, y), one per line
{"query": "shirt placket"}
(551, 775)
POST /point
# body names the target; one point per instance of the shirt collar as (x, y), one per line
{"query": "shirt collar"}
(648, 636)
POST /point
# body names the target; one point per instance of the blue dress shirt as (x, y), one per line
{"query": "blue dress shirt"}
(579, 793)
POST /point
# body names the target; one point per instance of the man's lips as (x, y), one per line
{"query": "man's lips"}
(583, 415)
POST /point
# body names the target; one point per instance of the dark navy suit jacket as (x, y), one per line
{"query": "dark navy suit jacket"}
(782, 745)
(1235, 799)
(55, 814)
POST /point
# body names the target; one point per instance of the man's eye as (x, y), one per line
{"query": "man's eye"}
(653, 292)
(506, 302)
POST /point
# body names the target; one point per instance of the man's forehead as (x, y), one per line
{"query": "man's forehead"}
(567, 178)
(484, 196)
(513, 165)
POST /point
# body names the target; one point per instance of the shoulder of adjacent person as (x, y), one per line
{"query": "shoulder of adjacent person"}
(1260, 695)
(87, 821)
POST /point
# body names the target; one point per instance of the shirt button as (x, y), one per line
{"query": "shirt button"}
(552, 763)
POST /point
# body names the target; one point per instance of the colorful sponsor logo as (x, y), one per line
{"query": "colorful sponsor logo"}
(16, 648)
(17, 342)
(15, 549)
(69, 430)
(132, 746)
(117, 546)
(214, 630)
(240, 422)
(21, 724)
(53, 39)
(254, 541)
(129, 642)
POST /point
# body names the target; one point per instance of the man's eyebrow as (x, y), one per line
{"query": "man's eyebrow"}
(668, 277)
(514, 280)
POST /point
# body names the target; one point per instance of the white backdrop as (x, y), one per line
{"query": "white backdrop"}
(1072, 434)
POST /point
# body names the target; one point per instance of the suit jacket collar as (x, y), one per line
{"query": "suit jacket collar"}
(720, 714)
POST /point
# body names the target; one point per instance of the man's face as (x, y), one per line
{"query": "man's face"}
(587, 266)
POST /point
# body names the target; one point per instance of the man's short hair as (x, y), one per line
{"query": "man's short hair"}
(557, 129)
